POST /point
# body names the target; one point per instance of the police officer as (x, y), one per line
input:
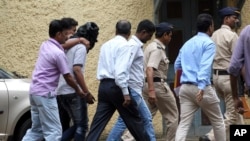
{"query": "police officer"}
(156, 91)
(225, 39)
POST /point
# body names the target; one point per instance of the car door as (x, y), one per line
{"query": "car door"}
(4, 104)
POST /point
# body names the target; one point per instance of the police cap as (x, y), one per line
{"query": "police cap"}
(227, 11)
(164, 27)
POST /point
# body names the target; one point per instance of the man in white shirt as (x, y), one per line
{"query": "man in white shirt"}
(113, 93)
(144, 32)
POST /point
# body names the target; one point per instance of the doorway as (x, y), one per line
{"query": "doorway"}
(182, 14)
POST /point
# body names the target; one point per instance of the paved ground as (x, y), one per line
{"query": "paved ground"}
(159, 129)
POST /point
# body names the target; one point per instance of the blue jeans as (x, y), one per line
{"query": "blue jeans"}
(119, 127)
(77, 109)
(45, 119)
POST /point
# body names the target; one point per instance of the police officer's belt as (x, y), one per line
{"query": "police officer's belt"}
(220, 72)
(156, 79)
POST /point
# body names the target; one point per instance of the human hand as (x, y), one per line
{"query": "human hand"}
(199, 95)
(90, 98)
(239, 106)
(127, 100)
(85, 42)
(151, 97)
(80, 93)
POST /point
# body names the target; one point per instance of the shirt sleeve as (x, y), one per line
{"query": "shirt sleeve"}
(62, 63)
(80, 55)
(177, 63)
(154, 58)
(204, 73)
(237, 58)
(121, 68)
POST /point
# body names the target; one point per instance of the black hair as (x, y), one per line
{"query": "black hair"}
(70, 21)
(203, 22)
(57, 26)
(89, 31)
(123, 27)
(145, 25)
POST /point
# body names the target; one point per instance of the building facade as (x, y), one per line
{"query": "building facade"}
(24, 25)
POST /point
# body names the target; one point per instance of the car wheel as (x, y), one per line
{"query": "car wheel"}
(23, 128)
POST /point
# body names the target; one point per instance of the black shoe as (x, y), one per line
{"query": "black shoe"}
(204, 138)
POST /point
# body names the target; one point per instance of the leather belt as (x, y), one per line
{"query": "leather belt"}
(220, 72)
(156, 79)
(191, 83)
(107, 79)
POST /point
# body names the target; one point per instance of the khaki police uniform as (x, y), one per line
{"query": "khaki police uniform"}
(225, 40)
(155, 56)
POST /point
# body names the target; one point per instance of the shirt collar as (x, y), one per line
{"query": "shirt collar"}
(137, 40)
(226, 26)
(202, 34)
(159, 43)
(56, 43)
(120, 37)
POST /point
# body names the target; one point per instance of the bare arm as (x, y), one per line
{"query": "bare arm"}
(74, 41)
(151, 88)
(80, 80)
(70, 81)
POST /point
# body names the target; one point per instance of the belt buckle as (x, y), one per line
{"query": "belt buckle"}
(162, 80)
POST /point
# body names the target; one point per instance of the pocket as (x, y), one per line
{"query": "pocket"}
(211, 95)
(166, 87)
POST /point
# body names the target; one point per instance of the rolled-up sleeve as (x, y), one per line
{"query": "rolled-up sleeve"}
(237, 58)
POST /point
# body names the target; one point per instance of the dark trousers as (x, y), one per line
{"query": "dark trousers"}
(77, 109)
(64, 116)
(110, 99)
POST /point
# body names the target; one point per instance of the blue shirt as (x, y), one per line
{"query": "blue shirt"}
(195, 60)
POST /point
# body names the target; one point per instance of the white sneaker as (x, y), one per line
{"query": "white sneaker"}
(127, 136)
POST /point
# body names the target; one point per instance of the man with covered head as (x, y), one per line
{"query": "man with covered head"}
(225, 39)
(72, 103)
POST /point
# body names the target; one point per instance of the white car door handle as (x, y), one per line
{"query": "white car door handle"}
(1, 112)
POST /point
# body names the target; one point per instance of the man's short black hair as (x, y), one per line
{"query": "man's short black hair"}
(70, 21)
(123, 27)
(203, 22)
(57, 26)
(146, 25)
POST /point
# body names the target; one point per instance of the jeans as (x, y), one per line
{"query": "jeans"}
(119, 127)
(45, 119)
(64, 116)
(77, 109)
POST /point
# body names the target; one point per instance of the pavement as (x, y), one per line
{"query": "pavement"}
(158, 135)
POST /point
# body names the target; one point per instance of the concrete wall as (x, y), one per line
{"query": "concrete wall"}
(24, 25)
(245, 16)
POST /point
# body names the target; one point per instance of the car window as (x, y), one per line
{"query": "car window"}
(4, 74)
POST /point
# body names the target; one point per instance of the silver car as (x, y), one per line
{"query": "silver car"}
(15, 117)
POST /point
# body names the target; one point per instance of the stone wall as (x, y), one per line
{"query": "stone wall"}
(24, 26)
(245, 16)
